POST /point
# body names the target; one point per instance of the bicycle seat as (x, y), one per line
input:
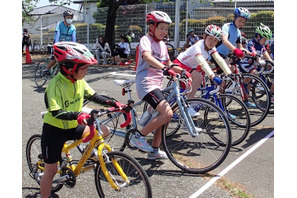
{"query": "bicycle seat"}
(124, 83)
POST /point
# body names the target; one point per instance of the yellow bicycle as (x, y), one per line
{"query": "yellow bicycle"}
(116, 173)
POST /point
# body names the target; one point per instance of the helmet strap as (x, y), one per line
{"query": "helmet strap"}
(152, 33)
(70, 75)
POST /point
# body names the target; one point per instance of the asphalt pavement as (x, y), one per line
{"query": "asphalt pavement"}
(252, 176)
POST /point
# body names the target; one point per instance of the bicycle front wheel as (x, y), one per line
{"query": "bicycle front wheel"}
(202, 153)
(139, 185)
(35, 161)
(40, 78)
(238, 116)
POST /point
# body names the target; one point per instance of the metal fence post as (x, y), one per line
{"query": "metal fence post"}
(187, 13)
(41, 32)
(88, 35)
(176, 31)
(145, 29)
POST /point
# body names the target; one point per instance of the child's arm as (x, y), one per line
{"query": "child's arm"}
(104, 100)
(227, 43)
(152, 61)
(221, 62)
(266, 56)
(204, 66)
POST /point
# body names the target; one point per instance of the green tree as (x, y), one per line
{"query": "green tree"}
(27, 7)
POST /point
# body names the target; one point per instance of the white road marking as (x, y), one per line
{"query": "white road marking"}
(213, 180)
(123, 74)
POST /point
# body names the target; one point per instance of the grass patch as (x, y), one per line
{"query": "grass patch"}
(235, 190)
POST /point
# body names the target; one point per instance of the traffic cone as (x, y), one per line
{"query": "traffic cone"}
(28, 57)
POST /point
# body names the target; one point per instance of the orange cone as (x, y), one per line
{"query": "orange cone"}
(28, 57)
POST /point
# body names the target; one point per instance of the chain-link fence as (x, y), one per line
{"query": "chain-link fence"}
(192, 15)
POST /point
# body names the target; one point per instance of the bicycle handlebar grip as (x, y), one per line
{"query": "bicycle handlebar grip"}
(91, 135)
(90, 122)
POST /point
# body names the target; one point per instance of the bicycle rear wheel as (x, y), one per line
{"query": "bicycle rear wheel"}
(139, 185)
(35, 161)
(260, 95)
(40, 78)
(202, 153)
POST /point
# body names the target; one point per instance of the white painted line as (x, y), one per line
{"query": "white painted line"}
(122, 74)
(213, 180)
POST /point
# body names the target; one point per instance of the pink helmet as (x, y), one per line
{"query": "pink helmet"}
(157, 17)
(74, 52)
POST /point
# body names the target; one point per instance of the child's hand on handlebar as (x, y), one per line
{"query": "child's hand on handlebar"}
(82, 118)
(168, 71)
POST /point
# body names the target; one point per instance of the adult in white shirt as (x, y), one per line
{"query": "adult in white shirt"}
(102, 50)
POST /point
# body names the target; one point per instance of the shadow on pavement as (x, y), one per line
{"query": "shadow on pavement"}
(257, 136)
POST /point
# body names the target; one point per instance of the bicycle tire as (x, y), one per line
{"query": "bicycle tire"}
(116, 138)
(136, 174)
(34, 155)
(262, 103)
(238, 116)
(199, 154)
(39, 78)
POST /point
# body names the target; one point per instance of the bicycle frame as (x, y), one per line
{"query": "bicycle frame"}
(97, 140)
(175, 96)
(211, 91)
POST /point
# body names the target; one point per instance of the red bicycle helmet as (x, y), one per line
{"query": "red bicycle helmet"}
(73, 52)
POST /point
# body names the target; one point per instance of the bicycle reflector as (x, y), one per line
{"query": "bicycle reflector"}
(123, 91)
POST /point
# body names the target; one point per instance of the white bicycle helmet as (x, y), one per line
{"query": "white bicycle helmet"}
(214, 31)
(157, 17)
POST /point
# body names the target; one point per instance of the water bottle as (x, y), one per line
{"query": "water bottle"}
(147, 116)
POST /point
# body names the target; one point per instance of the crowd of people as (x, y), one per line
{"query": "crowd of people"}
(65, 122)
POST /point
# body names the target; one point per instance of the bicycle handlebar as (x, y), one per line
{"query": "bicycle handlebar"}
(97, 113)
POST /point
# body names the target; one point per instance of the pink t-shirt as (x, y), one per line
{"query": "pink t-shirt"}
(188, 57)
(149, 78)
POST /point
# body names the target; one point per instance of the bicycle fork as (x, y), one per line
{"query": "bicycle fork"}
(110, 178)
(187, 118)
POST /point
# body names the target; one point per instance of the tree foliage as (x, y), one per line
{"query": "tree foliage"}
(27, 7)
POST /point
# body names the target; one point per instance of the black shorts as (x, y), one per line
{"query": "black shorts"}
(154, 98)
(53, 139)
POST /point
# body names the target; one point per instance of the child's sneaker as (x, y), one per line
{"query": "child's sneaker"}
(139, 141)
(192, 112)
(249, 104)
(157, 154)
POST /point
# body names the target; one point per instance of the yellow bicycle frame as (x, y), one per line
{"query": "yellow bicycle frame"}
(94, 142)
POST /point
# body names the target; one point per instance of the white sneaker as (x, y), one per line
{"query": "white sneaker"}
(192, 111)
(140, 143)
(157, 154)
(197, 129)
